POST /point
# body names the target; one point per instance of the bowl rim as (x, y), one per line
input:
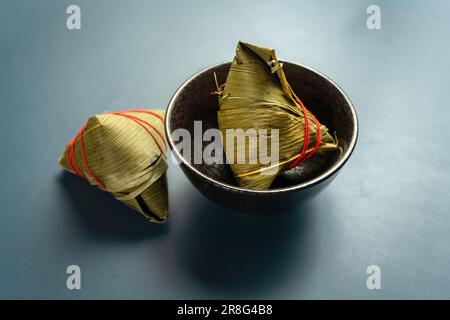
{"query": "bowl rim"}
(301, 186)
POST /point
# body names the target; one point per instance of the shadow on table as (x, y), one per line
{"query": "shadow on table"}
(102, 215)
(238, 254)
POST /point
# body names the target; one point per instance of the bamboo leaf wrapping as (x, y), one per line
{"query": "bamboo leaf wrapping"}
(257, 95)
(124, 153)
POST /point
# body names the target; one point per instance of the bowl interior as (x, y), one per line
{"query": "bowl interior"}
(194, 102)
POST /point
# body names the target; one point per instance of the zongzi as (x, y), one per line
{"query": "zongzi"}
(124, 153)
(257, 96)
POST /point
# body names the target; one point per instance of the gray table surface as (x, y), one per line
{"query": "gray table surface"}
(388, 207)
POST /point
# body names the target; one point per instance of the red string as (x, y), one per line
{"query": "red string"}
(70, 154)
(163, 138)
(70, 157)
(303, 156)
(83, 153)
(144, 111)
(139, 121)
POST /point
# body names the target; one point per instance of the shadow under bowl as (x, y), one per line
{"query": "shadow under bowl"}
(193, 101)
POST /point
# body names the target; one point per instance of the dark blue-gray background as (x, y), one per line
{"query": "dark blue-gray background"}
(389, 206)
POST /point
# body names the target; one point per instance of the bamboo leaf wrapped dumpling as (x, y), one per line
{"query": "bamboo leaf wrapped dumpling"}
(124, 153)
(257, 95)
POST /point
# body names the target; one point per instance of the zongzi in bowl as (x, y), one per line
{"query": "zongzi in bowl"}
(193, 104)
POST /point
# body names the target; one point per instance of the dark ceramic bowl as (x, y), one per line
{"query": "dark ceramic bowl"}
(193, 101)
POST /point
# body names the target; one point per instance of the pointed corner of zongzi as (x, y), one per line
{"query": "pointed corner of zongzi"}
(154, 202)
